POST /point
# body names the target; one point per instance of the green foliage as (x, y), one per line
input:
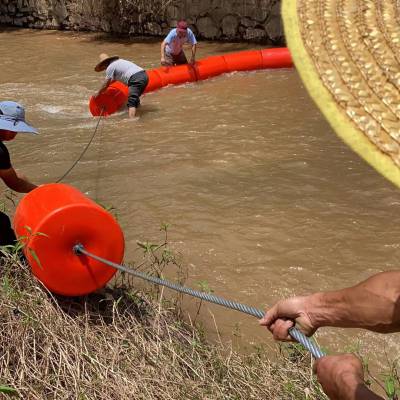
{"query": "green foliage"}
(22, 242)
(391, 381)
(109, 208)
(204, 286)
(148, 247)
(9, 391)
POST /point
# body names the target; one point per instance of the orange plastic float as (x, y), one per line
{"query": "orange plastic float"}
(116, 95)
(51, 220)
(210, 67)
(109, 101)
(277, 58)
(177, 75)
(155, 81)
(244, 61)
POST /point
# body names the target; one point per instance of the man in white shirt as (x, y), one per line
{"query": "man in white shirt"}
(172, 47)
(127, 72)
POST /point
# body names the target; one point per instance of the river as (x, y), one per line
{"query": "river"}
(263, 199)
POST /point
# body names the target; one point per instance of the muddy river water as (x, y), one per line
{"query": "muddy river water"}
(263, 199)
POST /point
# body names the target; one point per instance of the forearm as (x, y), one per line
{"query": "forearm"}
(363, 393)
(22, 185)
(104, 86)
(351, 388)
(163, 44)
(194, 47)
(373, 304)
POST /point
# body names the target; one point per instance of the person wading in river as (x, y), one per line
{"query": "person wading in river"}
(12, 121)
(172, 46)
(127, 72)
(347, 53)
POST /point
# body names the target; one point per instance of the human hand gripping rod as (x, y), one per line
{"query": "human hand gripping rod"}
(294, 333)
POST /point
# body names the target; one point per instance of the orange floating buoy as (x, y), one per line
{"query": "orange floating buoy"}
(244, 61)
(155, 81)
(117, 93)
(177, 75)
(277, 57)
(110, 100)
(50, 221)
(210, 67)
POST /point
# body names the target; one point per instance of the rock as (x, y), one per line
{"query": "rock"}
(207, 28)
(60, 11)
(255, 34)
(52, 23)
(248, 22)
(199, 7)
(5, 19)
(194, 29)
(38, 24)
(230, 25)
(252, 20)
(274, 26)
(173, 12)
(153, 28)
(105, 26)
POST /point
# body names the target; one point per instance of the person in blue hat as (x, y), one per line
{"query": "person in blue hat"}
(12, 121)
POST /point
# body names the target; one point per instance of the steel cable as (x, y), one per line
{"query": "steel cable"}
(294, 332)
(84, 150)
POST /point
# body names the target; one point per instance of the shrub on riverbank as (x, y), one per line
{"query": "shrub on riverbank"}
(126, 344)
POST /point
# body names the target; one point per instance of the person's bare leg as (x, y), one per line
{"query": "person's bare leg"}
(132, 112)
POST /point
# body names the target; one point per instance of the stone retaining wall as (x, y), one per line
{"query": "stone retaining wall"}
(248, 20)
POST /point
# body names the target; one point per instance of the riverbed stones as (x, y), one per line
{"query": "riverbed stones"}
(250, 20)
(207, 28)
(230, 25)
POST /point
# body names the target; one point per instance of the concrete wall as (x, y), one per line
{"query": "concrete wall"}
(248, 20)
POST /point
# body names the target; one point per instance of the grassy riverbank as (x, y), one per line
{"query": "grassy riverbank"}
(127, 344)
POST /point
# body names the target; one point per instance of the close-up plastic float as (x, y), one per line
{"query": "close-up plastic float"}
(53, 218)
(116, 95)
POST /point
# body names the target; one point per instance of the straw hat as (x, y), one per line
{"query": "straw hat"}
(348, 55)
(105, 61)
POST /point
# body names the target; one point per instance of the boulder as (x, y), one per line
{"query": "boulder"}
(255, 34)
(229, 25)
(207, 28)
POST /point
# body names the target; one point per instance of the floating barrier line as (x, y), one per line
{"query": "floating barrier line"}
(85, 149)
(295, 333)
(116, 95)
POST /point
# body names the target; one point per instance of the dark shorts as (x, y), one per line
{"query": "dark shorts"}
(137, 84)
(7, 235)
(178, 59)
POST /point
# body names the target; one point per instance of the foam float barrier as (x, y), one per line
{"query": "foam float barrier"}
(52, 219)
(206, 68)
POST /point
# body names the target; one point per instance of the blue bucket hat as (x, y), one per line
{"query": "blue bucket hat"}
(12, 118)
